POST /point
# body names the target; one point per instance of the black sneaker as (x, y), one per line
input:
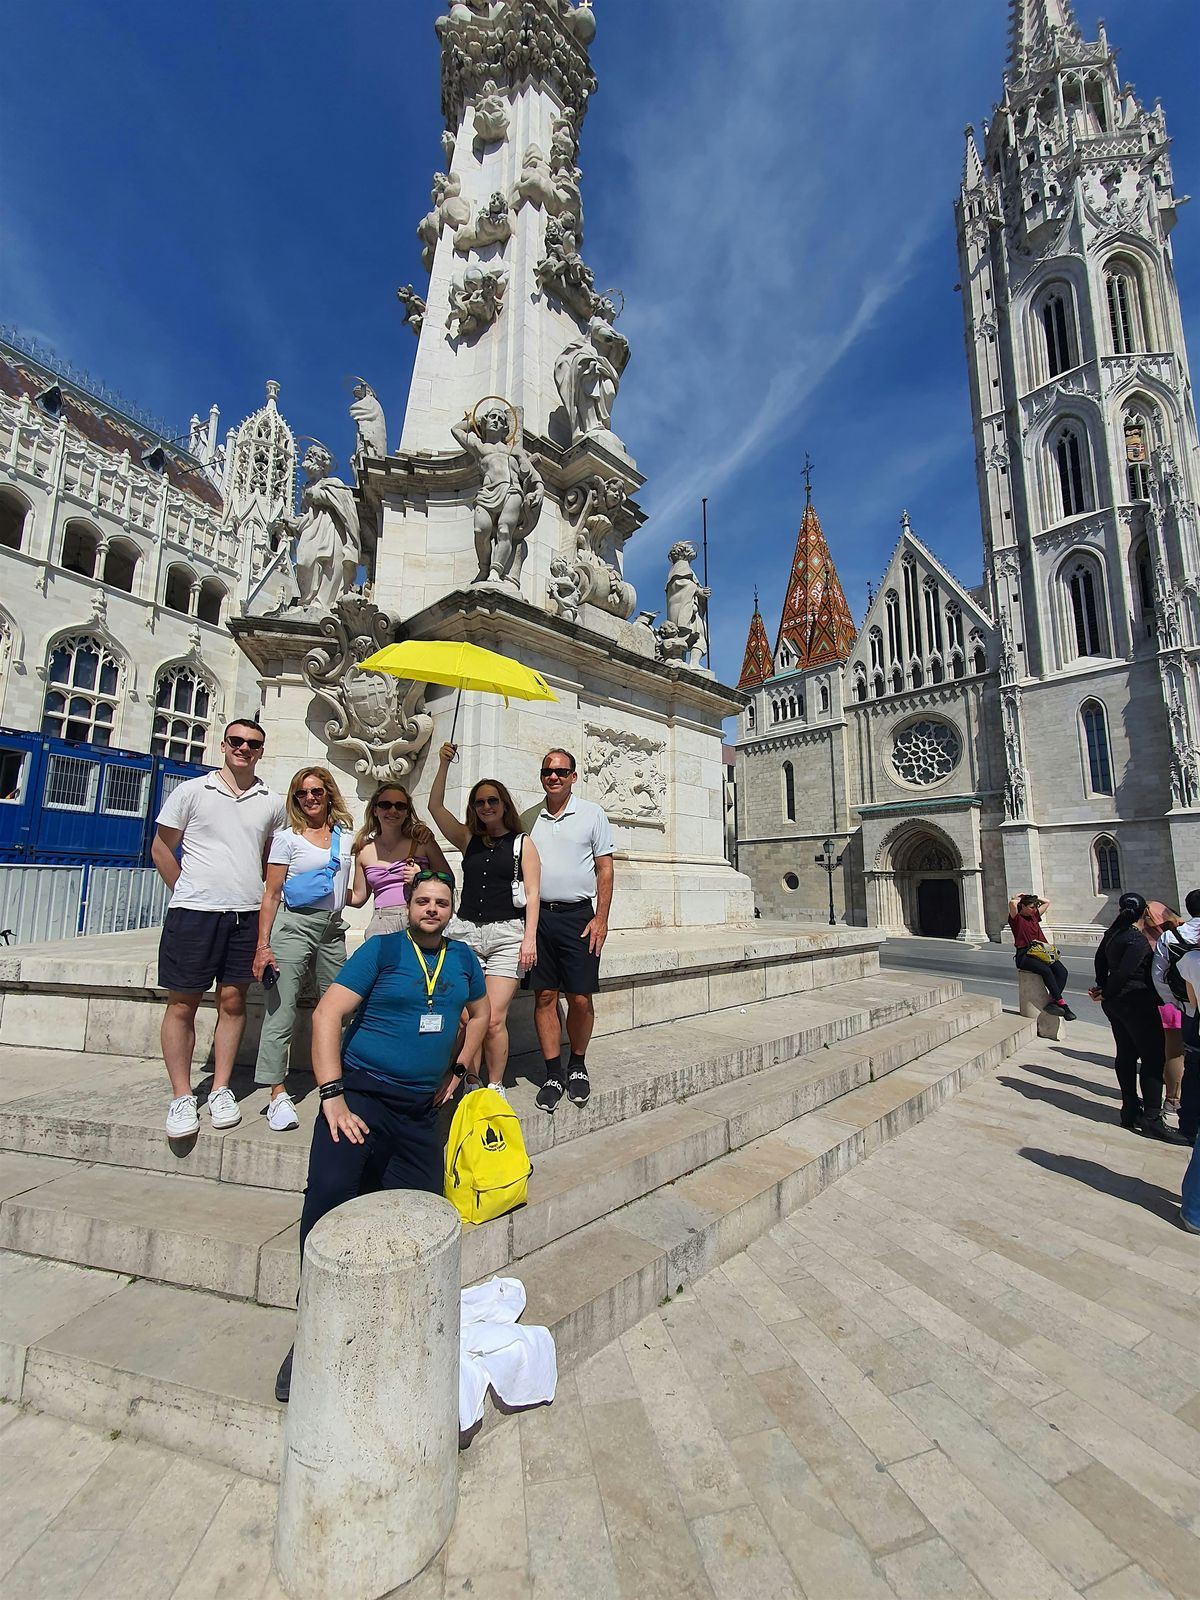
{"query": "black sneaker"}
(1060, 1008)
(579, 1086)
(1154, 1127)
(1131, 1120)
(550, 1094)
(283, 1378)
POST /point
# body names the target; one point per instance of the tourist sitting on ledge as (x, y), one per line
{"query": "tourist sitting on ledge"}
(382, 1085)
(1035, 953)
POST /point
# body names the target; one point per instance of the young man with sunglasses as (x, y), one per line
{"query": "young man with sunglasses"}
(575, 844)
(224, 822)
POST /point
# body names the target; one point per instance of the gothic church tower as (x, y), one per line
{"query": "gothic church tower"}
(1087, 462)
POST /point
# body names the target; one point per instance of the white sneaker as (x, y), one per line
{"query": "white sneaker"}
(224, 1109)
(499, 1089)
(281, 1114)
(182, 1118)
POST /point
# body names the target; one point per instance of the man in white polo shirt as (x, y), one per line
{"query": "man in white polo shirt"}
(224, 821)
(575, 843)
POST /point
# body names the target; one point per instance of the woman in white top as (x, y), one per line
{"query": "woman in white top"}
(307, 928)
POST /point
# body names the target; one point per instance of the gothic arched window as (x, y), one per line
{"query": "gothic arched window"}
(860, 683)
(1085, 598)
(892, 605)
(182, 714)
(177, 592)
(876, 639)
(878, 686)
(80, 542)
(121, 564)
(958, 666)
(210, 600)
(789, 792)
(1136, 432)
(1072, 470)
(1126, 311)
(1143, 574)
(1095, 739)
(750, 717)
(83, 677)
(1056, 317)
(824, 697)
(1108, 864)
(14, 509)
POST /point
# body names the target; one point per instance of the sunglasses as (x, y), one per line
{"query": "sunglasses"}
(488, 800)
(432, 877)
(308, 794)
(235, 741)
(392, 805)
(558, 772)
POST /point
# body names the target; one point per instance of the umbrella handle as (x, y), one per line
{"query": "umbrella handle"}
(454, 723)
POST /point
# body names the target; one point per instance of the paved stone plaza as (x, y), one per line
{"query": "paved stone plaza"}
(970, 1367)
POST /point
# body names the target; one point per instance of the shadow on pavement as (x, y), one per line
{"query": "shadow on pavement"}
(1060, 1098)
(1112, 1093)
(1087, 1055)
(1121, 1186)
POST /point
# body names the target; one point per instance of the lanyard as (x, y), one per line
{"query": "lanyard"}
(430, 982)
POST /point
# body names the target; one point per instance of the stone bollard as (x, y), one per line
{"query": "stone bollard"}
(1032, 996)
(369, 1485)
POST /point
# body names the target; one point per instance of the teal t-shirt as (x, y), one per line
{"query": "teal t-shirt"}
(385, 1035)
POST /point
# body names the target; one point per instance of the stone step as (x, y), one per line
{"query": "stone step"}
(193, 1370)
(85, 1107)
(242, 1241)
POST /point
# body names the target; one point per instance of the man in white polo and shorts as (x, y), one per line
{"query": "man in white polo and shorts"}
(575, 843)
(224, 822)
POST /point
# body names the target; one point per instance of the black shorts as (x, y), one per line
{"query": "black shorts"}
(564, 961)
(198, 948)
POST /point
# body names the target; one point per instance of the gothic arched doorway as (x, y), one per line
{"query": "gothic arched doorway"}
(919, 882)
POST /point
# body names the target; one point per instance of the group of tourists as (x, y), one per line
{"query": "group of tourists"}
(259, 883)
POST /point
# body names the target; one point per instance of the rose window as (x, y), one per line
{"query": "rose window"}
(926, 751)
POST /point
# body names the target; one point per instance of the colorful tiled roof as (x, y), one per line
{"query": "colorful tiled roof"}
(816, 620)
(757, 665)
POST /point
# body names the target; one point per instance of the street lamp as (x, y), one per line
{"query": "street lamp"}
(828, 860)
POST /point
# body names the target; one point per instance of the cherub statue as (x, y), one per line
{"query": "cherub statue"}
(509, 502)
(535, 182)
(563, 589)
(326, 534)
(491, 115)
(450, 210)
(493, 225)
(477, 301)
(414, 307)
(685, 602)
(562, 271)
(588, 374)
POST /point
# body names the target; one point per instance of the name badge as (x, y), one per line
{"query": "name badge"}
(431, 1022)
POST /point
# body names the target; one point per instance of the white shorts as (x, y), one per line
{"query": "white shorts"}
(497, 944)
(387, 919)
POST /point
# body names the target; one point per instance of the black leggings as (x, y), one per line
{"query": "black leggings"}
(1052, 973)
(403, 1150)
(1137, 1029)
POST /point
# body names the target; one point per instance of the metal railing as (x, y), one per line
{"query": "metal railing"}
(38, 904)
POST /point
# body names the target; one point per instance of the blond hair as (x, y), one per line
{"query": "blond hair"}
(337, 813)
(416, 830)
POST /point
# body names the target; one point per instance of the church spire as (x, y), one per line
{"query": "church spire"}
(1036, 26)
(757, 665)
(972, 166)
(816, 621)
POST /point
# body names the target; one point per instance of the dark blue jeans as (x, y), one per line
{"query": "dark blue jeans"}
(404, 1149)
(1189, 1094)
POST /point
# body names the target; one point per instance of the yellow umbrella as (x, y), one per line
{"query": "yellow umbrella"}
(459, 666)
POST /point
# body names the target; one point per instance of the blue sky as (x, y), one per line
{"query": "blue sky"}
(197, 197)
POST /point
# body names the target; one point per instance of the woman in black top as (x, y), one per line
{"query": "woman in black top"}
(1124, 988)
(502, 934)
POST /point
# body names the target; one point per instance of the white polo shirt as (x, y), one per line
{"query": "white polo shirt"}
(568, 845)
(224, 836)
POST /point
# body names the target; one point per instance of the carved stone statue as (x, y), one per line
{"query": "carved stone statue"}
(476, 300)
(491, 115)
(563, 589)
(562, 271)
(685, 601)
(535, 182)
(414, 307)
(596, 508)
(587, 376)
(450, 210)
(368, 417)
(493, 225)
(509, 503)
(327, 535)
(374, 717)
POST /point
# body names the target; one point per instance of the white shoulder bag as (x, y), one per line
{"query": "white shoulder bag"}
(519, 897)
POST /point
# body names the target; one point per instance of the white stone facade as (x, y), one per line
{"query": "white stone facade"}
(1069, 685)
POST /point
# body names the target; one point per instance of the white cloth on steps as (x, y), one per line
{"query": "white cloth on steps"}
(519, 1363)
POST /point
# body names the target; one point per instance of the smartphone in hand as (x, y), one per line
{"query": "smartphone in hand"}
(270, 976)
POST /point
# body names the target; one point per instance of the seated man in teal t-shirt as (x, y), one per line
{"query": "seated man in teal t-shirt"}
(382, 1085)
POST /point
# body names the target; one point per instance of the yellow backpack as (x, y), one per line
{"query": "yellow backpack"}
(487, 1169)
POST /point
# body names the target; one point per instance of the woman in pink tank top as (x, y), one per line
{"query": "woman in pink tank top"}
(392, 846)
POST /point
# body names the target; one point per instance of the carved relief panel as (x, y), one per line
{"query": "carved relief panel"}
(624, 774)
